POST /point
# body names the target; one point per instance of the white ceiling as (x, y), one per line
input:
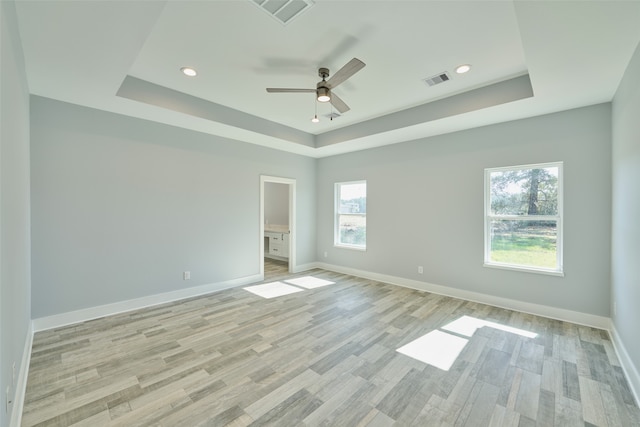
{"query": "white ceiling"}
(125, 57)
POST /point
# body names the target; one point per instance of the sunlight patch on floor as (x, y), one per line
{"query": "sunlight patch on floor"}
(273, 290)
(440, 348)
(309, 282)
(467, 326)
(436, 348)
(278, 289)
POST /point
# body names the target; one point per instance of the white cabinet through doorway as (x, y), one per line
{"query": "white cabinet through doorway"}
(277, 244)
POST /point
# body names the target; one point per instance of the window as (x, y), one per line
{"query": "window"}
(351, 215)
(523, 218)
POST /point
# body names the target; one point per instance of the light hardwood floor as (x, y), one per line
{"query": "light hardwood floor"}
(324, 356)
(274, 268)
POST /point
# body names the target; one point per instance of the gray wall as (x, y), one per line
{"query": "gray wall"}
(625, 250)
(15, 245)
(122, 206)
(276, 203)
(425, 207)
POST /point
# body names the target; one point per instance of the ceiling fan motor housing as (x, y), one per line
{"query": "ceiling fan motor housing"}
(323, 73)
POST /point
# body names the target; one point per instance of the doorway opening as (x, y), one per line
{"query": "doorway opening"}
(277, 225)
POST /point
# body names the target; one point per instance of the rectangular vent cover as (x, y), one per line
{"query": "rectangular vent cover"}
(283, 10)
(437, 79)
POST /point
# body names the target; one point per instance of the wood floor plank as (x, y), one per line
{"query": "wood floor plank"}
(592, 406)
(438, 412)
(529, 395)
(504, 417)
(612, 414)
(483, 405)
(333, 395)
(568, 412)
(322, 357)
(546, 408)
(552, 376)
(290, 388)
(494, 367)
(570, 383)
(531, 357)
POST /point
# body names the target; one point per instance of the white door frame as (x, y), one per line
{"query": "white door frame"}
(292, 219)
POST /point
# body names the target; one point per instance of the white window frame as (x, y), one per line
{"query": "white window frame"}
(336, 219)
(488, 217)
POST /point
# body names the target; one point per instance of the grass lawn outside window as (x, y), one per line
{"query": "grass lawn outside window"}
(523, 218)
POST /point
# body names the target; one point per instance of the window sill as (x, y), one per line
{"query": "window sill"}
(353, 247)
(524, 269)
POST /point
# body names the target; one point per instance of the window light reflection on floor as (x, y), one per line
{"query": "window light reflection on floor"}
(273, 289)
(278, 289)
(309, 282)
(467, 326)
(440, 348)
(436, 348)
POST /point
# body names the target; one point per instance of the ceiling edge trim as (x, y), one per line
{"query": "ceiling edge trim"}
(150, 93)
(510, 90)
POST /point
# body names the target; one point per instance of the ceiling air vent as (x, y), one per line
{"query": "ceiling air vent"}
(437, 79)
(283, 10)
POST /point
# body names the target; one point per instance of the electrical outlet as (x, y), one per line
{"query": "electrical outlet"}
(186, 275)
(420, 269)
(326, 254)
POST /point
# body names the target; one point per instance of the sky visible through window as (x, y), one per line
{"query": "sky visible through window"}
(353, 191)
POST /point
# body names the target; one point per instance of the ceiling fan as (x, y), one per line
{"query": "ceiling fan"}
(324, 87)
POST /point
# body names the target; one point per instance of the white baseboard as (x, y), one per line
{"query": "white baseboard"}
(585, 319)
(21, 382)
(71, 317)
(304, 267)
(68, 318)
(63, 319)
(630, 370)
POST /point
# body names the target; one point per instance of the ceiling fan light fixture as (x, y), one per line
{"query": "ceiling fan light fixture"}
(324, 87)
(461, 69)
(189, 72)
(315, 119)
(324, 94)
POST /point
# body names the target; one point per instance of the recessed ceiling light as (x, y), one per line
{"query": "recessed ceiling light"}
(188, 71)
(461, 69)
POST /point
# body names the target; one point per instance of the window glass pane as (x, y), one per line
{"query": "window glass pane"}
(524, 191)
(352, 229)
(525, 243)
(353, 198)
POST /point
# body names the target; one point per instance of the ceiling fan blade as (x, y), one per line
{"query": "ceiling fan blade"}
(345, 72)
(340, 105)
(288, 90)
